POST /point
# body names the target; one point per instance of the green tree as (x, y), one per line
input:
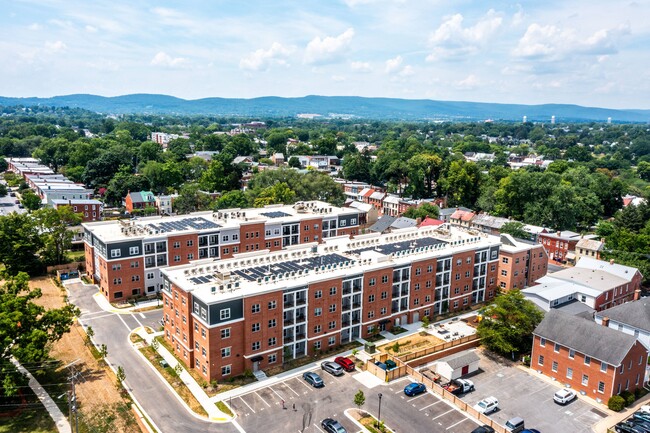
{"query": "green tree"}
(294, 162)
(423, 211)
(31, 201)
(359, 399)
(3, 190)
(643, 170)
(20, 242)
(27, 329)
(121, 376)
(231, 200)
(54, 225)
(278, 193)
(461, 183)
(53, 153)
(515, 229)
(357, 166)
(162, 176)
(191, 199)
(425, 168)
(508, 323)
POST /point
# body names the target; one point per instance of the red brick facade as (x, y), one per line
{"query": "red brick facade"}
(520, 269)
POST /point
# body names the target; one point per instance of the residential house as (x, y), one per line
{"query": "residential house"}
(164, 203)
(595, 360)
(278, 159)
(139, 200)
(589, 248)
(521, 263)
(632, 318)
(90, 210)
(461, 218)
(488, 224)
(446, 213)
(431, 222)
(367, 215)
(387, 224)
(560, 245)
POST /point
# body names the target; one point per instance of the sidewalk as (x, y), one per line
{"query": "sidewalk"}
(60, 420)
(214, 414)
(110, 308)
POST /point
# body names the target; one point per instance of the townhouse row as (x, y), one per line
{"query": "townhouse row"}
(261, 308)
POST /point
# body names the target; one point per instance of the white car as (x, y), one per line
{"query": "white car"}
(645, 408)
(487, 405)
(564, 396)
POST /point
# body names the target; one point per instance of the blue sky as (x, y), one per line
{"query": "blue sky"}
(587, 52)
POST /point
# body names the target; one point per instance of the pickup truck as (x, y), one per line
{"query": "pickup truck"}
(459, 386)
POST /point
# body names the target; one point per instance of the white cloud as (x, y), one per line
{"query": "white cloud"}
(451, 39)
(91, 29)
(34, 26)
(393, 64)
(329, 48)
(164, 59)
(468, 83)
(261, 59)
(55, 47)
(360, 66)
(338, 78)
(406, 71)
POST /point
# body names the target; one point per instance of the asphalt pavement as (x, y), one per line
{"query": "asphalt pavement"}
(153, 396)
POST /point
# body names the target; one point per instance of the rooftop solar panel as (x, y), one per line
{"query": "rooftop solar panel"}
(401, 246)
(194, 223)
(275, 214)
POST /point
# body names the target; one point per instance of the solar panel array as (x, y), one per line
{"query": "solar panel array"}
(401, 246)
(275, 214)
(252, 274)
(195, 223)
(202, 279)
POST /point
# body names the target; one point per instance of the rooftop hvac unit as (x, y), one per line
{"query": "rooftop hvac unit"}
(259, 281)
(213, 289)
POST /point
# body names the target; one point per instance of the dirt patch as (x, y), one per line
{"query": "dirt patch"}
(101, 404)
(411, 343)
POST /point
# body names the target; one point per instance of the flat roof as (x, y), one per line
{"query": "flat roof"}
(340, 257)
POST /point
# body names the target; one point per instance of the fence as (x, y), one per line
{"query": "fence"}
(438, 348)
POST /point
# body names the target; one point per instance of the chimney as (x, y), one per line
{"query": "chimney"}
(637, 294)
(611, 261)
(605, 321)
(558, 233)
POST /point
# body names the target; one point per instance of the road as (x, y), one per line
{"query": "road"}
(155, 398)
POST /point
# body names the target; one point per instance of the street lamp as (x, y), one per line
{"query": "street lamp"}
(379, 414)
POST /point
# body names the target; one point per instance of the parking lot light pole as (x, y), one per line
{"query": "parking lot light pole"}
(379, 414)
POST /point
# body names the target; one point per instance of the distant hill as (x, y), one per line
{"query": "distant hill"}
(335, 106)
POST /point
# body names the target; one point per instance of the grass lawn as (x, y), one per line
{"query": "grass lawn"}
(33, 419)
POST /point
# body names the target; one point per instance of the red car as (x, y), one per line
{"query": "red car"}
(345, 363)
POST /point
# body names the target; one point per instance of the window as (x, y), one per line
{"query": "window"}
(427, 298)
(136, 264)
(331, 341)
(505, 260)
(224, 314)
(382, 311)
(372, 282)
(601, 387)
(417, 286)
(371, 298)
(116, 253)
(177, 244)
(554, 367)
(332, 291)
(587, 360)
(569, 373)
(459, 262)
(317, 345)
(504, 272)
(542, 342)
(190, 243)
(556, 348)
(117, 267)
(603, 367)
(256, 345)
(418, 271)
(371, 314)
(225, 352)
(149, 275)
(273, 358)
(540, 360)
(255, 327)
(225, 333)
(203, 332)
(428, 284)
(273, 305)
(255, 308)
(416, 301)
(225, 370)
(384, 278)
(457, 276)
(456, 290)
(468, 260)
(117, 281)
(332, 308)
(273, 341)
(572, 353)
(317, 329)
(134, 251)
(135, 277)
(272, 323)
(177, 258)
(585, 380)
(384, 295)
(332, 324)
(318, 294)
(318, 312)
(235, 237)
(430, 268)
(467, 273)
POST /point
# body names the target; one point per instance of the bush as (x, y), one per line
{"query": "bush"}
(616, 403)
(628, 397)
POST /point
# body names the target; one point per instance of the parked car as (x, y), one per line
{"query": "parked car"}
(332, 368)
(515, 425)
(530, 430)
(414, 389)
(332, 426)
(313, 379)
(625, 427)
(163, 363)
(487, 405)
(564, 396)
(459, 386)
(344, 362)
(483, 429)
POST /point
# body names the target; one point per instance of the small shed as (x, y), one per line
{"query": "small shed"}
(457, 365)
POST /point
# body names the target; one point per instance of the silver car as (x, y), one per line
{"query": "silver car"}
(332, 368)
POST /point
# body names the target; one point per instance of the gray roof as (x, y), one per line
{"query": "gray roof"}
(403, 222)
(451, 210)
(635, 314)
(486, 220)
(585, 336)
(382, 224)
(461, 359)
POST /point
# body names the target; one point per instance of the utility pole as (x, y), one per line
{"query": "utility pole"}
(72, 396)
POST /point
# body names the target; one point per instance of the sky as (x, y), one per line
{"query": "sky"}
(585, 52)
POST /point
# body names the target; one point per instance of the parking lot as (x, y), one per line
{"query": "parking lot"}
(262, 410)
(524, 395)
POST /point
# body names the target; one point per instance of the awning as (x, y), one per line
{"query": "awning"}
(570, 256)
(257, 358)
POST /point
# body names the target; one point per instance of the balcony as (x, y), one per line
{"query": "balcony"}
(345, 307)
(300, 319)
(345, 324)
(347, 291)
(287, 338)
(300, 336)
(356, 305)
(356, 288)
(289, 321)
(356, 320)
(301, 301)
(288, 304)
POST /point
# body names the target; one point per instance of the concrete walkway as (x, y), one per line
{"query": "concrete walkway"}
(60, 420)
(214, 414)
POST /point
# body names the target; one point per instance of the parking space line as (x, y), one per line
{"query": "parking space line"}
(455, 424)
(318, 428)
(255, 392)
(285, 382)
(442, 414)
(247, 404)
(397, 392)
(276, 393)
(424, 394)
(432, 404)
(305, 384)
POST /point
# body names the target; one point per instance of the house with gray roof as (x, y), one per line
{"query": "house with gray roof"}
(632, 318)
(593, 359)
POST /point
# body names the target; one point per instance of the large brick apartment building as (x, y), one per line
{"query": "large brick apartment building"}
(521, 263)
(593, 359)
(250, 312)
(125, 257)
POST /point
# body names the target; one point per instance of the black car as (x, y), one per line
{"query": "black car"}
(483, 429)
(332, 426)
(624, 427)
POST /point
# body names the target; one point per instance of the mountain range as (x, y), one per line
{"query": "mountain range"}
(335, 106)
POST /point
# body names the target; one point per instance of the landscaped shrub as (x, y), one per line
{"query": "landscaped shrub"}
(616, 403)
(628, 397)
